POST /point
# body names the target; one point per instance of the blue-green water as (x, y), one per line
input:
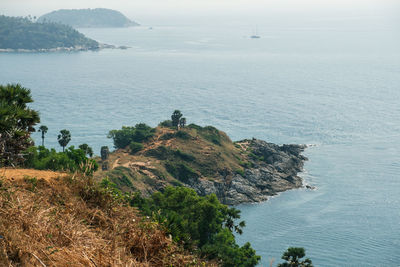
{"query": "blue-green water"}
(336, 87)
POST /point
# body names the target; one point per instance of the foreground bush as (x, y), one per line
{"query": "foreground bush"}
(200, 224)
(16, 122)
(72, 159)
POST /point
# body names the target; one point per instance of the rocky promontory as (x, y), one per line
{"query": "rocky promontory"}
(275, 171)
(205, 159)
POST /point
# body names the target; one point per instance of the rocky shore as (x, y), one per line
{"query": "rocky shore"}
(274, 169)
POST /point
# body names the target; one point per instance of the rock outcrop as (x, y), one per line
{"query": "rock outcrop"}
(274, 170)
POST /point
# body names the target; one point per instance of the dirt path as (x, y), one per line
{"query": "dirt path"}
(13, 174)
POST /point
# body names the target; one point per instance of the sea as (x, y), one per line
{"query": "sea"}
(331, 84)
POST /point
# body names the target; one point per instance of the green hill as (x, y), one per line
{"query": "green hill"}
(21, 33)
(88, 18)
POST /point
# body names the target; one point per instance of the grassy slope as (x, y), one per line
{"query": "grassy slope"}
(198, 152)
(69, 221)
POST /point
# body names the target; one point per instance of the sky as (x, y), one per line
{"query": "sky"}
(203, 9)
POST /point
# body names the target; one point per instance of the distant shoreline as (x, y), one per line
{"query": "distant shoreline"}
(62, 49)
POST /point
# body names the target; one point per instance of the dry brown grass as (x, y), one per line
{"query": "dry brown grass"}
(12, 173)
(69, 221)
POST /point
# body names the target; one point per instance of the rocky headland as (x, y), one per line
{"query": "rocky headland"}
(205, 159)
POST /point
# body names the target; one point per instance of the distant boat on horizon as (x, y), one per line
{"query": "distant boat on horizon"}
(255, 35)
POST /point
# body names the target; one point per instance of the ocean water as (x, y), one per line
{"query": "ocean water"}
(335, 86)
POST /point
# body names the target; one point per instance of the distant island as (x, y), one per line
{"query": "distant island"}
(23, 35)
(89, 18)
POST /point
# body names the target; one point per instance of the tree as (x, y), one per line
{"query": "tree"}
(43, 129)
(175, 117)
(200, 224)
(87, 149)
(182, 122)
(293, 256)
(63, 138)
(124, 137)
(17, 122)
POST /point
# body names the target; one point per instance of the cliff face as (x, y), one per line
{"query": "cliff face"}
(276, 173)
(205, 159)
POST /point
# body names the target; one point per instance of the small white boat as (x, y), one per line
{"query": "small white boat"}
(255, 35)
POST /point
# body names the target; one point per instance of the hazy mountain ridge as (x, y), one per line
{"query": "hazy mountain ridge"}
(89, 18)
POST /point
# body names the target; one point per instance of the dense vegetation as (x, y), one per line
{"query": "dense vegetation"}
(72, 159)
(200, 224)
(16, 123)
(21, 33)
(137, 134)
(87, 18)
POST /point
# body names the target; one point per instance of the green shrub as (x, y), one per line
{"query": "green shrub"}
(179, 134)
(194, 126)
(211, 134)
(135, 147)
(122, 177)
(176, 183)
(183, 135)
(167, 136)
(160, 152)
(158, 173)
(166, 123)
(246, 164)
(140, 133)
(184, 156)
(240, 171)
(72, 159)
(181, 171)
(255, 157)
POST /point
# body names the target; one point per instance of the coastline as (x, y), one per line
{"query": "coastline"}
(279, 172)
(63, 49)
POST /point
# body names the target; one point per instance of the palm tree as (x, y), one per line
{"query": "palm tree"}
(175, 117)
(43, 129)
(63, 138)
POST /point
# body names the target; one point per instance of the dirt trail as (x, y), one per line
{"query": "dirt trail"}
(13, 174)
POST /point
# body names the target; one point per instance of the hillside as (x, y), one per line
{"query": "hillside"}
(52, 219)
(205, 159)
(23, 34)
(88, 18)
